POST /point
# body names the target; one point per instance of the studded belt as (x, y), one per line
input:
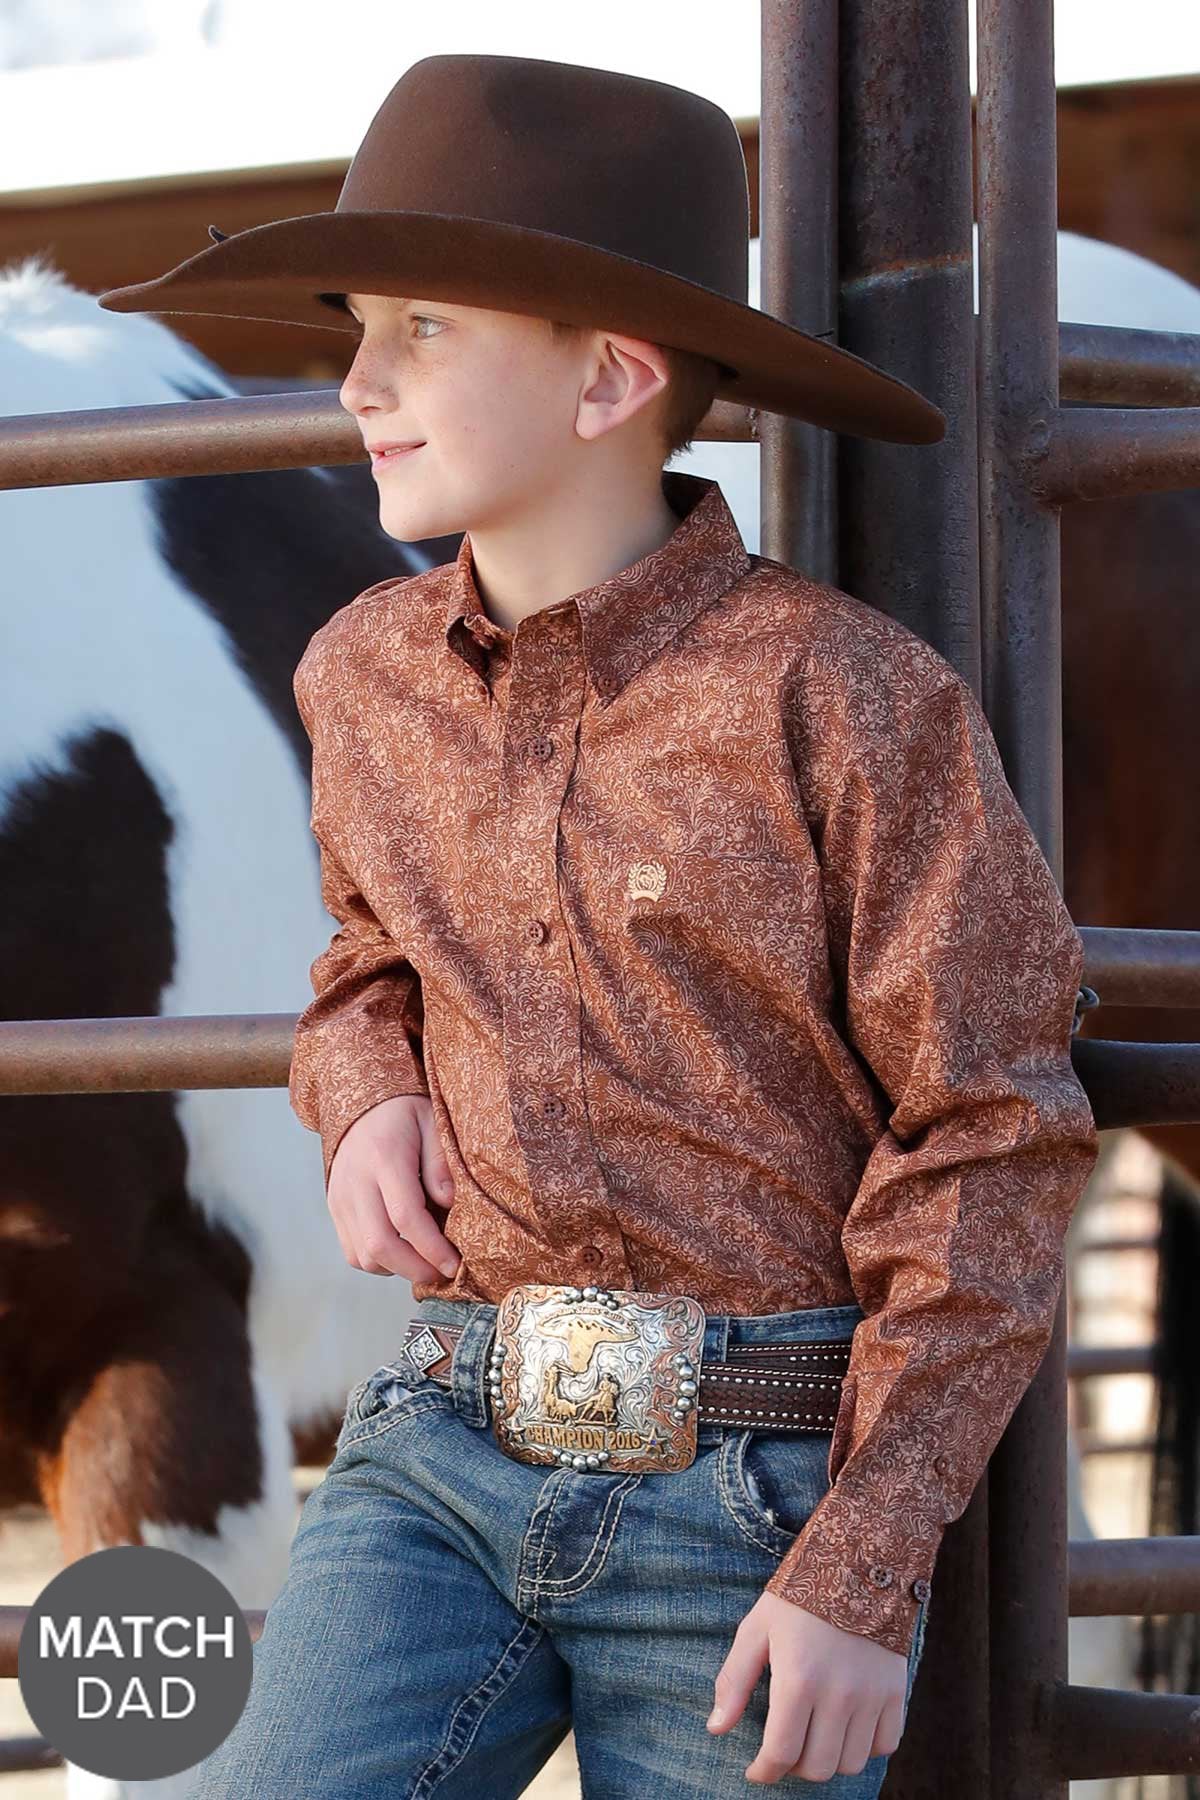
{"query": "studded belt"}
(615, 1379)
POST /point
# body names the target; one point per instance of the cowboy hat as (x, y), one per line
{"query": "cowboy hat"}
(555, 189)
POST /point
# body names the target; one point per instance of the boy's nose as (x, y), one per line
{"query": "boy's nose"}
(358, 393)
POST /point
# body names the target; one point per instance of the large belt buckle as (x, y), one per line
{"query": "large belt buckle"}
(595, 1378)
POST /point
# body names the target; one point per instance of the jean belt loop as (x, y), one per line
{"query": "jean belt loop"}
(469, 1365)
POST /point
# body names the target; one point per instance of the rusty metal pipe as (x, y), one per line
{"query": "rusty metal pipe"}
(1099, 453)
(909, 535)
(907, 543)
(1141, 966)
(1127, 1083)
(215, 437)
(798, 212)
(1139, 1084)
(145, 1055)
(1022, 688)
(1124, 365)
(1096, 1734)
(294, 426)
(1134, 1576)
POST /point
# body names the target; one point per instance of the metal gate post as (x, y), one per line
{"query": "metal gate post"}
(909, 544)
(898, 235)
(907, 529)
(797, 228)
(1018, 398)
(909, 537)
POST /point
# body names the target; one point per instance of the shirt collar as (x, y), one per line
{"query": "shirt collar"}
(628, 618)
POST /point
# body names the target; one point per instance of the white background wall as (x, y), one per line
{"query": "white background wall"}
(114, 90)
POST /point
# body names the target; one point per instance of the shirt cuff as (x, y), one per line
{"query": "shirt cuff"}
(336, 1120)
(847, 1575)
(353, 1051)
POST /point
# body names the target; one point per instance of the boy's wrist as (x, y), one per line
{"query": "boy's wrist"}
(337, 1121)
(847, 1589)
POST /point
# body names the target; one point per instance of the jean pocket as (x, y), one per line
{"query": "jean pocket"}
(382, 1399)
(770, 1483)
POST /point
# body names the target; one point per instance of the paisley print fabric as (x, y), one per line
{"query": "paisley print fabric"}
(702, 911)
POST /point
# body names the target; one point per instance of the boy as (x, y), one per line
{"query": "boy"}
(696, 1038)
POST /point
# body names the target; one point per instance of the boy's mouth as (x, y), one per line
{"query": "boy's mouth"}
(393, 455)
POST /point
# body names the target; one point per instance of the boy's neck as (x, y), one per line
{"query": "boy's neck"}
(521, 569)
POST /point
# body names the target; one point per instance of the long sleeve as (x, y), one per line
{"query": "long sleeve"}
(959, 967)
(359, 1040)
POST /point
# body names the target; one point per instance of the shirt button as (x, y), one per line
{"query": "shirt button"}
(942, 1465)
(880, 1576)
(536, 930)
(920, 1590)
(553, 1107)
(591, 1254)
(541, 747)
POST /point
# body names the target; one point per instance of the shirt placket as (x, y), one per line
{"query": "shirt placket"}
(546, 692)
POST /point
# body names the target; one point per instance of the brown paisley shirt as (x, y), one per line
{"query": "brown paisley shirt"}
(702, 911)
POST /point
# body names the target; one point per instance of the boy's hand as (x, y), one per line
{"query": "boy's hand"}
(836, 1698)
(388, 1165)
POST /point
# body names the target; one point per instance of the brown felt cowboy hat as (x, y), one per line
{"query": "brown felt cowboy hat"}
(548, 188)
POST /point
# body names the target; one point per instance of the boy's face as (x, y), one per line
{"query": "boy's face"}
(493, 401)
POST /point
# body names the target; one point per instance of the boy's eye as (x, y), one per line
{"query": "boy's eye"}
(417, 319)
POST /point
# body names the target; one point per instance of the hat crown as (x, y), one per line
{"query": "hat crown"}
(635, 167)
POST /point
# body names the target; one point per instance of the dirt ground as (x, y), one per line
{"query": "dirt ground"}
(1112, 1299)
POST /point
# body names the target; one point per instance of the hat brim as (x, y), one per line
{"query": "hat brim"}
(276, 272)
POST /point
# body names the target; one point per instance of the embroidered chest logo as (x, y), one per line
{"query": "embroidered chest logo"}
(646, 878)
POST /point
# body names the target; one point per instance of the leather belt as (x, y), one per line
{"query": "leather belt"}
(580, 1398)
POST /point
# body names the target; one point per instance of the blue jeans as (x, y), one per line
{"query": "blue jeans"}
(449, 1613)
